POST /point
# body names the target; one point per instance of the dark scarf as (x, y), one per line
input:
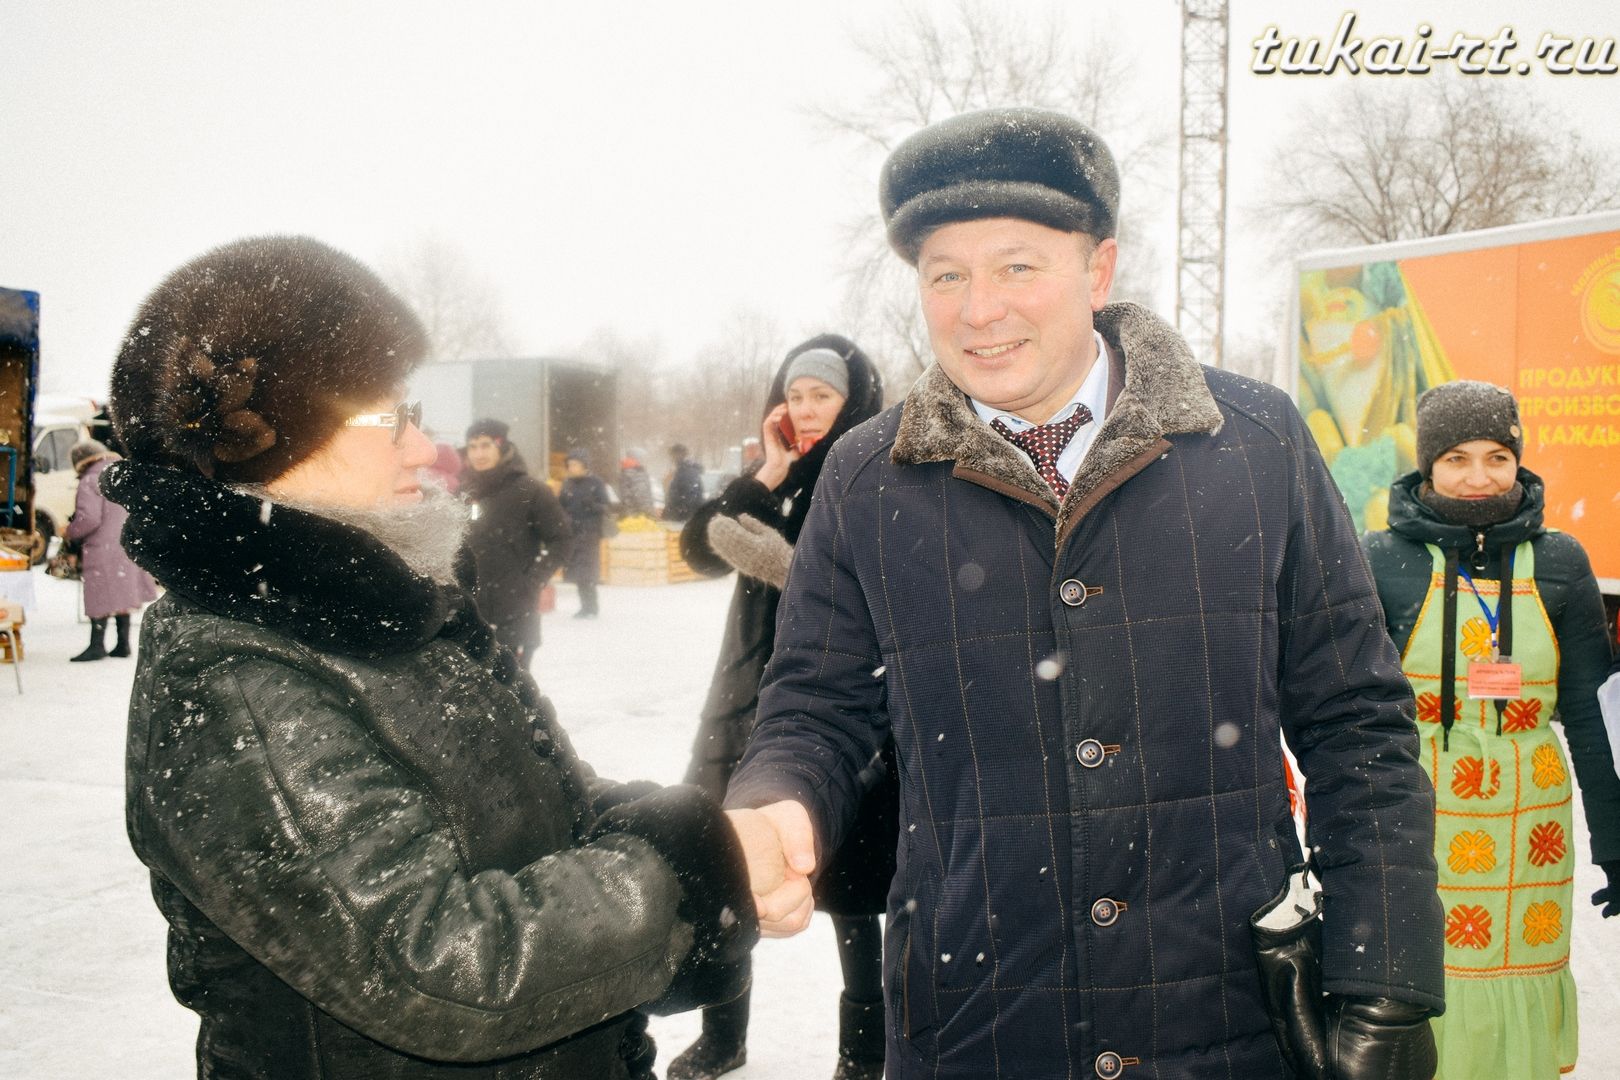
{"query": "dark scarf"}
(1412, 516)
(1474, 513)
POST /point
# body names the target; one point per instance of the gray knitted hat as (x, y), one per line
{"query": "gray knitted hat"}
(1034, 164)
(823, 364)
(1457, 412)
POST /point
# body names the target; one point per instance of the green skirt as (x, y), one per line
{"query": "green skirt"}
(1517, 1027)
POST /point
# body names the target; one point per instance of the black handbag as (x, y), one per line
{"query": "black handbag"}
(1287, 933)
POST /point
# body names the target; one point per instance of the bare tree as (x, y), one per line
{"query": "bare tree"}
(711, 401)
(639, 362)
(460, 307)
(983, 56)
(1379, 163)
(715, 400)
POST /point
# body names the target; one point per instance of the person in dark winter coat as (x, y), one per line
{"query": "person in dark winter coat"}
(1089, 586)
(519, 536)
(114, 587)
(635, 486)
(683, 491)
(376, 851)
(589, 506)
(824, 387)
(1467, 520)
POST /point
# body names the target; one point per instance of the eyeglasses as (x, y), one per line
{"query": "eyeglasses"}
(399, 417)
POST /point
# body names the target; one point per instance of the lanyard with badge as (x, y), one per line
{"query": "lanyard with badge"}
(1498, 679)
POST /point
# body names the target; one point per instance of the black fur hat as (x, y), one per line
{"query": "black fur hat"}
(246, 360)
(1034, 164)
(489, 428)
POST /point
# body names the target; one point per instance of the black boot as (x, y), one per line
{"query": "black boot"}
(860, 1040)
(121, 648)
(721, 1048)
(98, 643)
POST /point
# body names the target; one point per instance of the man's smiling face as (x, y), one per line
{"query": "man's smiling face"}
(1008, 304)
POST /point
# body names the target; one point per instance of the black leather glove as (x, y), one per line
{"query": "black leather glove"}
(1291, 981)
(1608, 897)
(1379, 1039)
(1287, 933)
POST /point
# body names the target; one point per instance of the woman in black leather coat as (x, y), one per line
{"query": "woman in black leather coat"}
(376, 851)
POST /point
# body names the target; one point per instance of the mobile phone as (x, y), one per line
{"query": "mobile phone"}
(789, 436)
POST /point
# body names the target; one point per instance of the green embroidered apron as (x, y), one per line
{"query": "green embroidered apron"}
(1502, 831)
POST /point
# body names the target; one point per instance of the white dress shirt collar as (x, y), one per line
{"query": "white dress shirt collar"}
(1093, 394)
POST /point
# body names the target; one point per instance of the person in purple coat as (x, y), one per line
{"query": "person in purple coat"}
(113, 586)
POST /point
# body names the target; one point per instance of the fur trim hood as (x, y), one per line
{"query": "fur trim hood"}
(1156, 389)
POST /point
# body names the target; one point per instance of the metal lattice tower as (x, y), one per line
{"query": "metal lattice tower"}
(1201, 198)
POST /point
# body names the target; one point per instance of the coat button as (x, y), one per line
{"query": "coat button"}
(1109, 1065)
(1090, 753)
(1105, 912)
(1072, 592)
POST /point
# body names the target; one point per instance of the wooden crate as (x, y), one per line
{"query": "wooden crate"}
(645, 557)
(678, 570)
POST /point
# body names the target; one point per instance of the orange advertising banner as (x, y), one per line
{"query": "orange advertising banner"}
(1541, 318)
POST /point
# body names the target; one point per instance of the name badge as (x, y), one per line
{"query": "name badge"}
(1499, 681)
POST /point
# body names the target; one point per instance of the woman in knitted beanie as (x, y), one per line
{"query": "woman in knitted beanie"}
(824, 387)
(376, 851)
(1492, 666)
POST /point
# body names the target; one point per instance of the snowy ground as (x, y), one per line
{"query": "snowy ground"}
(82, 988)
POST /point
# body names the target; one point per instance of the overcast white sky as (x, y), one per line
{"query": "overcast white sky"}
(645, 167)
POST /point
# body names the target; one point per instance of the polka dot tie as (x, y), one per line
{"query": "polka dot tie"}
(1045, 444)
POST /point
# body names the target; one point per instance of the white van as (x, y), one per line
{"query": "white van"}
(60, 421)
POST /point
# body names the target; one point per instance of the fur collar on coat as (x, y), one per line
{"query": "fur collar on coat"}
(330, 585)
(1163, 393)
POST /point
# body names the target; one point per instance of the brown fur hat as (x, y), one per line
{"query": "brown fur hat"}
(246, 360)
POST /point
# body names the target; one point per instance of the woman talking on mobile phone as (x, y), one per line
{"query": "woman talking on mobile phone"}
(825, 387)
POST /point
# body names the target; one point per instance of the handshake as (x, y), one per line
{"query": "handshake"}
(780, 846)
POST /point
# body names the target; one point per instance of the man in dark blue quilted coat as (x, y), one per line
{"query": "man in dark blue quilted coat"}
(1092, 587)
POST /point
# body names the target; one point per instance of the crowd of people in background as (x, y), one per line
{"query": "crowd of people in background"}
(524, 530)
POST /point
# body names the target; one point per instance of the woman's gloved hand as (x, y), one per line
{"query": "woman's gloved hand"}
(753, 547)
(1608, 897)
(1379, 1039)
